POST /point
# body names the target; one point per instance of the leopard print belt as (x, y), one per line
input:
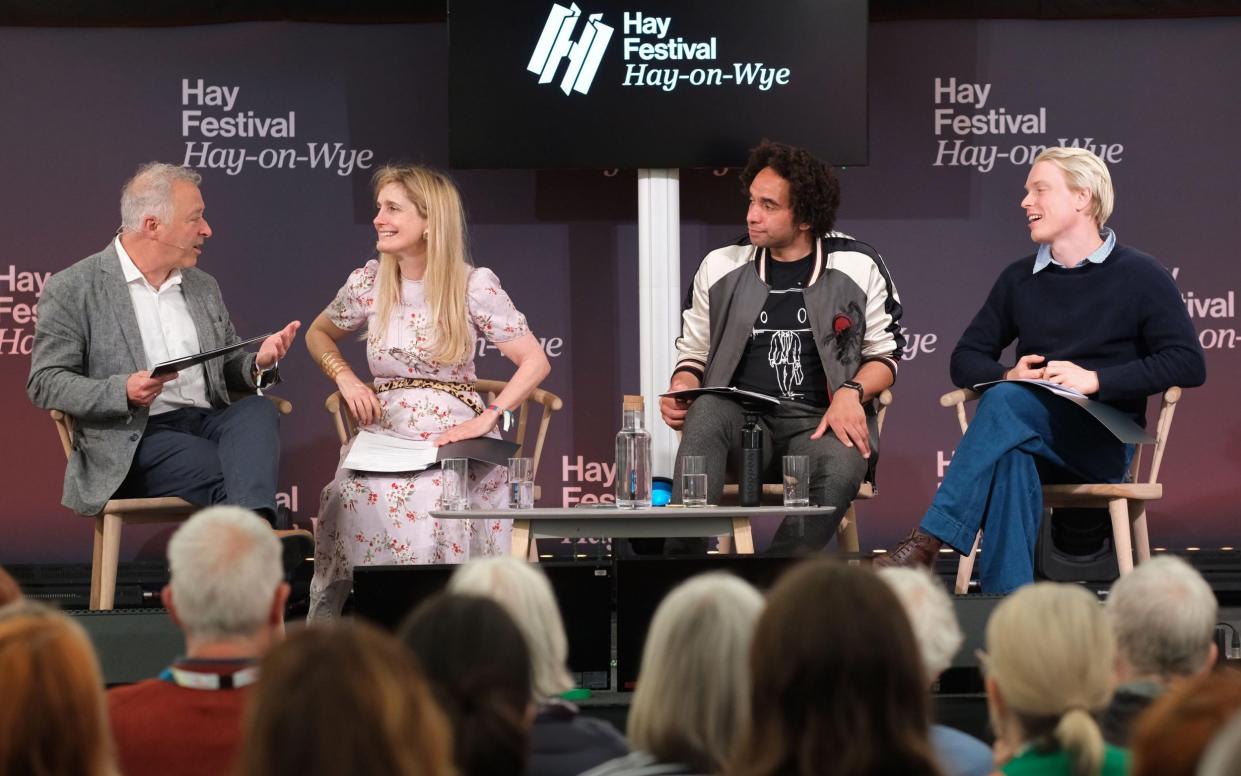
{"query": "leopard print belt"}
(463, 391)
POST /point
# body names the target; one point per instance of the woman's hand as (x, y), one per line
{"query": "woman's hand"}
(359, 398)
(470, 429)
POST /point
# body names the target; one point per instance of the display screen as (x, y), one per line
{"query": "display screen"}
(542, 84)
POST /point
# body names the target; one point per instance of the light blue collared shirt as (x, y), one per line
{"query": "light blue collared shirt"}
(1044, 257)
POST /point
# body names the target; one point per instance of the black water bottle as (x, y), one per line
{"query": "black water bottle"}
(750, 480)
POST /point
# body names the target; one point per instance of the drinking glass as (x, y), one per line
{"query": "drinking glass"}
(694, 481)
(797, 480)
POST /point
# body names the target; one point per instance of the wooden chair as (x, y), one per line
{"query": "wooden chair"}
(846, 532)
(119, 512)
(1125, 501)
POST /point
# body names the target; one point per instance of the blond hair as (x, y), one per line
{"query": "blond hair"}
(525, 593)
(692, 702)
(1050, 652)
(448, 259)
(53, 717)
(1084, 171)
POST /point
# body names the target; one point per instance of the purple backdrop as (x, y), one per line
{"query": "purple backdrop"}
(291, 212)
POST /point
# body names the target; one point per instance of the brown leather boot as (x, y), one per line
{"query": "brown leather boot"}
(917, 549)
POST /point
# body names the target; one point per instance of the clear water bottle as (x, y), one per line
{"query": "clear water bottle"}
(633, 457)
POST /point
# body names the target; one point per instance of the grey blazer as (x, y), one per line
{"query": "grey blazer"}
(87, 344)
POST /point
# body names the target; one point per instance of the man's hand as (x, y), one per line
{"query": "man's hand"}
(476, 427)
(1071, 375)
(1027, 369)
(359, 398)
(275, 346)
(672, 410)
(847, 420)
(141, 389)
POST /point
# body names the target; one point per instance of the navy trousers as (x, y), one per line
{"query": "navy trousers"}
(210, 456)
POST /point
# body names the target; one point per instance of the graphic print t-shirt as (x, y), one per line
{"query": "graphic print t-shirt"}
(780, 358)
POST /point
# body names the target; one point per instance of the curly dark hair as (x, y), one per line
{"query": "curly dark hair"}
(814, 192)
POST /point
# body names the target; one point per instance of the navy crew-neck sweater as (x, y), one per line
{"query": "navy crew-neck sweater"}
(1123, 318)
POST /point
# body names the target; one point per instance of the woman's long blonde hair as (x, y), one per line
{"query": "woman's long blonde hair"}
(448, 259)
(1051, 652)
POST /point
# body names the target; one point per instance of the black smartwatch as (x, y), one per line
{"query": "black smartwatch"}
(861, 392)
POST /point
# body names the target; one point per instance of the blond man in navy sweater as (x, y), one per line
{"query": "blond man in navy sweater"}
(1086, 313)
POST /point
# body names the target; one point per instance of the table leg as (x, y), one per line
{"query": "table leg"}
(743, 541)
(521, 539)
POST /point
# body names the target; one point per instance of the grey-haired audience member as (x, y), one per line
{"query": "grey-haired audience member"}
(1163, 615)
(939, 637)
(692, 702)
(563, 742)
(227, 594)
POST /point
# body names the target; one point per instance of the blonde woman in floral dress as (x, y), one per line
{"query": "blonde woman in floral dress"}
(424, 304)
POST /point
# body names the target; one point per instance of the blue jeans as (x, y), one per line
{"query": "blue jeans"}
(1021, 436)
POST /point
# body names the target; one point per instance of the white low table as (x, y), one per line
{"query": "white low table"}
(651, 522)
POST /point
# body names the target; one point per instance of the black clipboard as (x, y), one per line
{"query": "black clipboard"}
(177, 364)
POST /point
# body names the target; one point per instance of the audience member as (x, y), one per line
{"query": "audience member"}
(836, 687)
(563, 742)
(1163, 615)
(1048, 666)
(1170, 736)
(692, 699)
(227, 595)
(344, 699)
(1223, 755)
(9, 591)
(939, 637)
(53, 721)
(479, 667)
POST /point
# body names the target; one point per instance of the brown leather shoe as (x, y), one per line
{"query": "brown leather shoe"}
(917, 549)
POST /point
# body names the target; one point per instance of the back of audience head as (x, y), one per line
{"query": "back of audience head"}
(226, 578)
(692, 696)
(930, 614)
(836, 687)
(53, 719)
(1163, 614)
(9, 591)
(479, 667)
(527, 596)
(1049, 660)
(1171, 736)
(344, 699)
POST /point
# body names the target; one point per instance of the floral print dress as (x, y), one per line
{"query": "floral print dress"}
(369, 518)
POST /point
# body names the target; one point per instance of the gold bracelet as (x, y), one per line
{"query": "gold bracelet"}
(332, 363)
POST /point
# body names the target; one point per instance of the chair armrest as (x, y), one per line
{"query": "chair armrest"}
(958, 397)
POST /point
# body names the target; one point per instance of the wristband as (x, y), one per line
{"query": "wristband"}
(506, 416)
(861, 392)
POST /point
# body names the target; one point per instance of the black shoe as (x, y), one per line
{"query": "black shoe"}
(296, 546)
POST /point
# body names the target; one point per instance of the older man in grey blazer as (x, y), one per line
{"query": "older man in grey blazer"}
(108, 319)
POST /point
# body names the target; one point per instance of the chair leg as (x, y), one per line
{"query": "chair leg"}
(96, 562)
(1118, 508)
(521, 539)
(533, 554)
(725, 545)
(1141, 535)
(742, 537)
(965, 567)
(110, 560)
(846, 535)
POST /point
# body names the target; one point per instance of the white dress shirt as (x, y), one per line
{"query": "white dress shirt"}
(168, 332)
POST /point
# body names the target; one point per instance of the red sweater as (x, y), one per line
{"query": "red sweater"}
(161, 728)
